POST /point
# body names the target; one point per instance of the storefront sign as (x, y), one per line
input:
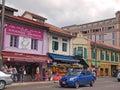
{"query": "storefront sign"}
(24, 31)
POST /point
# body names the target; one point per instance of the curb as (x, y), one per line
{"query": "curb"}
(33, 83)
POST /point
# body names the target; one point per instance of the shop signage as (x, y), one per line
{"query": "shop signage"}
(24, 31)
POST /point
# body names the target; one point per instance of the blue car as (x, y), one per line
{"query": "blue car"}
(77, 78)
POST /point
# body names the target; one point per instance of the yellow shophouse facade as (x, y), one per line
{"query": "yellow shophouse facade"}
(103, 58)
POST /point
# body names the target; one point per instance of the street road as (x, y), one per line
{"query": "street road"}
(102, 83)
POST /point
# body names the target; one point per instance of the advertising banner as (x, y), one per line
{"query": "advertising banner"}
(20, 30)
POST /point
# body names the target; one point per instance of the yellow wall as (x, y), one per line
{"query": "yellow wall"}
(80, 41)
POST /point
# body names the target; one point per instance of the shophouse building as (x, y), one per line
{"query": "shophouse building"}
(59, 48)
(104, 58)
(55, 38)
(25, 43)
(106, 31)
(31, 42)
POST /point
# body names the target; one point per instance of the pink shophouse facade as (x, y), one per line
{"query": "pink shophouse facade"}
(25, 43)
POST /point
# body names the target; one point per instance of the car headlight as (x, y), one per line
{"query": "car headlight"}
(72, 78)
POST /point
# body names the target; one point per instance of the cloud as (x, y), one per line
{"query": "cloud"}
(67, 12)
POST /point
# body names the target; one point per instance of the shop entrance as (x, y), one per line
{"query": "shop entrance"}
(106, 71)
(113, 70)
(101, 72)
(29, 67)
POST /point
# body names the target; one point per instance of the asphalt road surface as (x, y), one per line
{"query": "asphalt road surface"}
(102, 83)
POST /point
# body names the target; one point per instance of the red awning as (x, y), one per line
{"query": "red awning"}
(20, 57)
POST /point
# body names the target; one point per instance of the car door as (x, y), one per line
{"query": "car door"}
(82, 78)
(88, 78)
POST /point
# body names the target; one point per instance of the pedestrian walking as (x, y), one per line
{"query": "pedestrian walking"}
(14, 74)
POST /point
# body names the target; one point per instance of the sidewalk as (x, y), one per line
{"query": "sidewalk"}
(42, 83)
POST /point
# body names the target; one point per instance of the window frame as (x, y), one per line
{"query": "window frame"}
(55, 45)
(14, 41)
(34, 44)
(64, 45)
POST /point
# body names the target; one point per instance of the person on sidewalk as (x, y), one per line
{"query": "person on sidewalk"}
(21, 71)
(37, 73)
(14, 74)
(49, 75)
(46, 75)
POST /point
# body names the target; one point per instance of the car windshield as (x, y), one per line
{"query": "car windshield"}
(73, 73)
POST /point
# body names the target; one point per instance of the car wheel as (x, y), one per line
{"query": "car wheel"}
(2, 85)
(91, 84)
(62, 85)
(118, 80)
(76, 84)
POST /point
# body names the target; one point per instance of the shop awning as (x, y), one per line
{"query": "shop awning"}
(20, 57)
(82, 61)
(62, 58)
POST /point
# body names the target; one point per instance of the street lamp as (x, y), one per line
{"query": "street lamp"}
(1, 31)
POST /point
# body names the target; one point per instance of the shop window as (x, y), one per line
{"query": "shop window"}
(113, 35)
(116, 57)
(64, 47)
(54, 45)
(84, 32)
(112, 56)
(85, 53)
(64, 40)
(110, 27)
(94, 53)
(91, 37)
(80, 51)
(107, 56)
(34, 44)
(101, 55)
(113, 42)
(13, 41)
(100, 37)
(55, 38)
(75, 52)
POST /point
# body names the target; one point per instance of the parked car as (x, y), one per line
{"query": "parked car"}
(5, 79)
(76, 78)
(118, 76)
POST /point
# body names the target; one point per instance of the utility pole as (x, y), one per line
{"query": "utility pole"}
(1, 32)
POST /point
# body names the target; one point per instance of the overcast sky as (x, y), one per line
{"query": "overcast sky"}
(68, 12)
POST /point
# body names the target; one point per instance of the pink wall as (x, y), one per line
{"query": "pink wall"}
(42, 42)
